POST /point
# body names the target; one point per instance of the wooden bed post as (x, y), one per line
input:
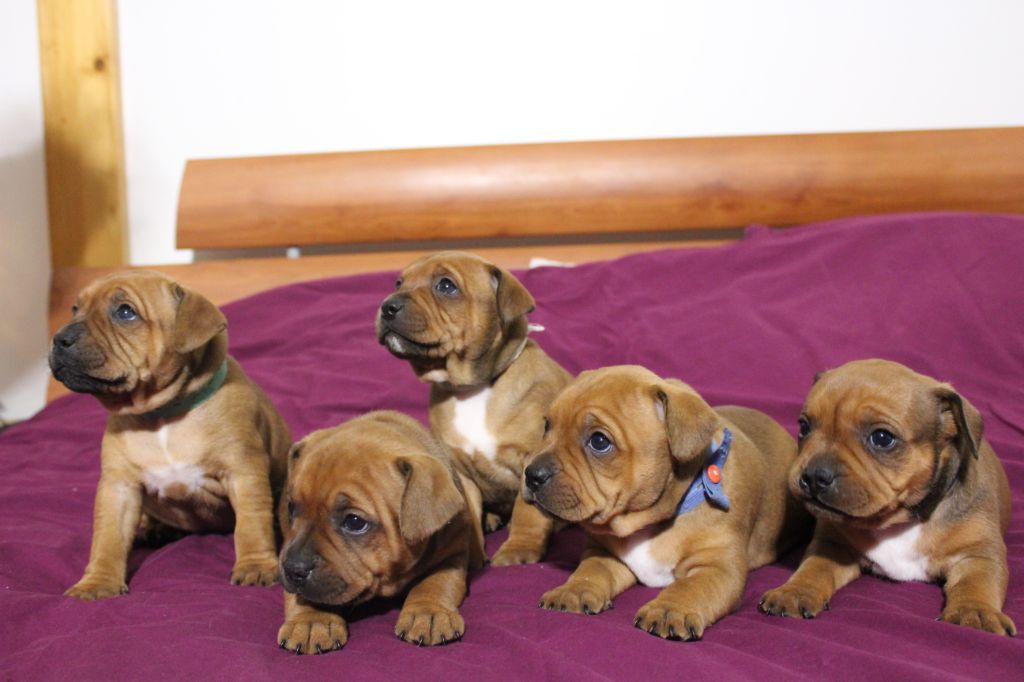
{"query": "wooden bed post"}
(84, 142)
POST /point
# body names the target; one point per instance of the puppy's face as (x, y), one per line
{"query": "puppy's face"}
(131, 333)
(876, 441)
(616, 439)
(450, 314)
(362, 500)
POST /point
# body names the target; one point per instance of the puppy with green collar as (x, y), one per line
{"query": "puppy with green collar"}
(191, 442)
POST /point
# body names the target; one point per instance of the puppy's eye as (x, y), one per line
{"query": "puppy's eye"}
(398, 283)
(74, 310)
(125, 313)
(805, 427)
(881, 439)
(446, 287)
(547, 425)
(353, 524)
(599, 443)
(291, 510)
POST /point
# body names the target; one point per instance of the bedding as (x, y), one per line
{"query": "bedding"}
(748, 323)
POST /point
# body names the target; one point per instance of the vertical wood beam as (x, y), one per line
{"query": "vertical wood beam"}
(85, 175)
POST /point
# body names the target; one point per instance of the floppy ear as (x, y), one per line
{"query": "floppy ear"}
(430, 499)
(196, 321)
(513, 298)
(961, 421)
(689, 421)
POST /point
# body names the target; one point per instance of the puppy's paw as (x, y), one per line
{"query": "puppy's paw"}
(979, 617)
(575, 599)
(95, 588)
(510, 554)
(492, 522)
(255, 572)
(790, 600)
(670, 621)
(429, 625)
(313, 633)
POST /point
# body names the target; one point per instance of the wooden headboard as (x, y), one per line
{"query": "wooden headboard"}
(569, 201)
(579, 190)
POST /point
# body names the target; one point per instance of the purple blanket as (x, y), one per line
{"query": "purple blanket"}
(748, 323)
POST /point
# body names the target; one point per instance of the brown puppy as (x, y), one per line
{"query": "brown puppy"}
(671, 492)
(893, 465)
(372, 507)
(191, 441)
(461, 323)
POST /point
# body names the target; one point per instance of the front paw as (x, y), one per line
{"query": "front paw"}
(670, 621)
(793, 600)
(95, 588)
(979, 617)
(512, 553)
(255, 572)
(429, 625)
(315, 633)
(492, 522)
(575, 600)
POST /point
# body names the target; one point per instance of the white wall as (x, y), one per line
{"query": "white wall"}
(24, 237)
(245, 77)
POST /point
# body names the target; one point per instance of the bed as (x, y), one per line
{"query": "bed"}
(749, 322)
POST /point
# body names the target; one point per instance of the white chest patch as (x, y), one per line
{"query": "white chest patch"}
(635, 552)
(895, 555)
(158, 479)
(470, 423)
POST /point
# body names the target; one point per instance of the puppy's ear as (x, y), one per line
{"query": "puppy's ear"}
(513, 298)
(196, 321)
(689, 421)
(961, 421)
(430, 499)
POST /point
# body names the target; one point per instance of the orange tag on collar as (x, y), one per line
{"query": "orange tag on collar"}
(714, 474)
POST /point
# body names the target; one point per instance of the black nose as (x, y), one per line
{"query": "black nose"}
(817, 477)
(390, 308)
(537, 475)
(298, 570)
(68, 336)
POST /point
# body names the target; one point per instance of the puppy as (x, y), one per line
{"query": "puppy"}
(672, 494)
(191, 442)
(374, 506)
(461, 323)
(893, 465)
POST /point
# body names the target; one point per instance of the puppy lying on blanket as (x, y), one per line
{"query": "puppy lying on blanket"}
(671, 492)
(461, 323)
(893, 465)
(191, 441)
(372, 507)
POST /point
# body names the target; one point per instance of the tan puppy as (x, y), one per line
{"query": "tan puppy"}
(671, 492)
(374, 506)
(191, 441)
(461, 323)
(893, 465)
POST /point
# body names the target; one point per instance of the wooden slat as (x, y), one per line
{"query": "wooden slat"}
(82, 120)
(223, 281)
(594, 187)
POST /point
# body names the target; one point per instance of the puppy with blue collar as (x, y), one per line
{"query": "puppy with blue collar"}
(671, 492)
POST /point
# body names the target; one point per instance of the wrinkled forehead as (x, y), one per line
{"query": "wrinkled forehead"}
(461, 267)
(329, 476)
(868, 394)
(138, 288)
(603, 394)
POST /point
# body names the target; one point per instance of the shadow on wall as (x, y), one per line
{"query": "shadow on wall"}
(24, 278)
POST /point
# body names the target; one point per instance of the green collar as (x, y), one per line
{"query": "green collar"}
(183, 404)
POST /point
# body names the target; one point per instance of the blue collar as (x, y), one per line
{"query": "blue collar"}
(183, 404)
(707, 484)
